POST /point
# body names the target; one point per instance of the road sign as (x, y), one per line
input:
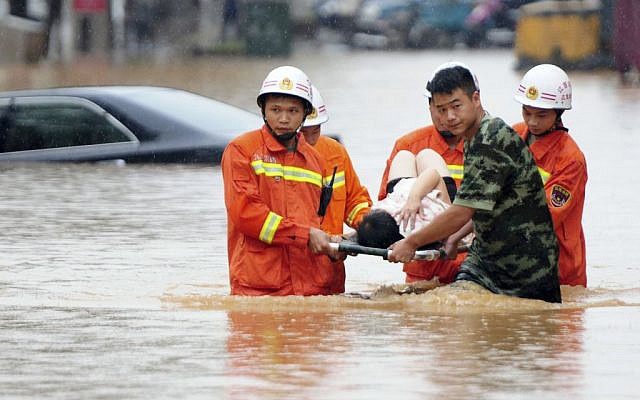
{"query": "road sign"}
(90, 6)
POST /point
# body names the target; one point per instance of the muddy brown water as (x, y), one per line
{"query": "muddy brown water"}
(113, 279)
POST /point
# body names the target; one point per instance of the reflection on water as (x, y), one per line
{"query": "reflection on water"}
(282, 353)
(113, 278)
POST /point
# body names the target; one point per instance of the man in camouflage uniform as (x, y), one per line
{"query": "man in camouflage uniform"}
(515, 251)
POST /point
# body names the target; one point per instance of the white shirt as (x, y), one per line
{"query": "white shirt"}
(432, 204)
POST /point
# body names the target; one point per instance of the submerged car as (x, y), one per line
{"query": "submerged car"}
(436, 23)
(384, 23)
(130, 123)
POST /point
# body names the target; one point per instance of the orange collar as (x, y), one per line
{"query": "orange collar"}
(546, 142)
(270, 141)
(274, 146)
(441, 144)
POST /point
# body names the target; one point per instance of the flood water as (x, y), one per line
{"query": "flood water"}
(114, 283)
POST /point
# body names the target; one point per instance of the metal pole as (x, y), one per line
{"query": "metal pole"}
(67, 32)
(209, 24)
(119, 40)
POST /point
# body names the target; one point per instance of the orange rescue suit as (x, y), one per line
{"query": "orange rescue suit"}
(563, 170)
(350, 201)
(272, 197)
(420, 139)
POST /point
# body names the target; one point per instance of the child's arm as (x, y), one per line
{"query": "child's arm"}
(425, 183)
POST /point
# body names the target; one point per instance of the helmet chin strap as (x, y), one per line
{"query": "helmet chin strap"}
(285, 137)
(445, 134)
(557, 126)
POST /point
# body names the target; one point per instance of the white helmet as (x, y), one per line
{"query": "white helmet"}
(446, 65)
(287, 80)
(545, 86)
(319, 114)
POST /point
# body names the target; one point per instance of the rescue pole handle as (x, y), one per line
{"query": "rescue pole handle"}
(421, 255)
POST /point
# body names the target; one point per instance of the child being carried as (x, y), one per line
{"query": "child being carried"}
(420, 187)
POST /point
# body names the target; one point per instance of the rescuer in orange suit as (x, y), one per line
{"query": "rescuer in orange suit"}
(272, 188)
(450, 148)
(545, 93)
(350, 201)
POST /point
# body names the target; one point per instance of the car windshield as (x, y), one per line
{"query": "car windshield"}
(198, 111)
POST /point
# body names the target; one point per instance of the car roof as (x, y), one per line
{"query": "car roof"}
(82, 91)
(113, 95)
(153, 111)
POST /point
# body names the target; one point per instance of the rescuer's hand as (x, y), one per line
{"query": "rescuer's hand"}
(402, 251)
(319, 244)
(451, 248)
(341, 254)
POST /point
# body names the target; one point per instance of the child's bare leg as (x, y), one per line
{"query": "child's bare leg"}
(427, 160)
(403, 165)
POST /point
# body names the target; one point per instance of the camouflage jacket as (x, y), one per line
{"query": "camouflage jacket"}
(515, 251)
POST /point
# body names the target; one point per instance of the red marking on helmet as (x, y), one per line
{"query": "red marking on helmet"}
(302, 87)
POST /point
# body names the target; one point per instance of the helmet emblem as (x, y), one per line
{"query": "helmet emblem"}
(286, 84)
(532, 92)
(314, 114)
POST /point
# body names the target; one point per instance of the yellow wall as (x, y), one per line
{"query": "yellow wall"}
(575, 36)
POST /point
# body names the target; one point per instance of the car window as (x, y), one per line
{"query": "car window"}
(4, 121)
(52, 123)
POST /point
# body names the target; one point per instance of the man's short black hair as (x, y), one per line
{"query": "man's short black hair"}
(378, 229)
(449, 79)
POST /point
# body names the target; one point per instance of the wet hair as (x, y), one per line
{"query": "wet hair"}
(378, 229)
(449, 79)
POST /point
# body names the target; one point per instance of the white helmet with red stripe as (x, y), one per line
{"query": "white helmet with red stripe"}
(545, 86)
(319, 114)
(287, 80)
(451, 64)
